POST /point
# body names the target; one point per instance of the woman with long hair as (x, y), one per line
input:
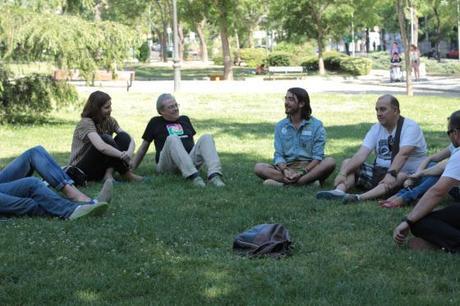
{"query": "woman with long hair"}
(94, 149)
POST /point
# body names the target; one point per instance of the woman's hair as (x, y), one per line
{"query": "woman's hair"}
(413, 46)
(302, 96)
(94, 104)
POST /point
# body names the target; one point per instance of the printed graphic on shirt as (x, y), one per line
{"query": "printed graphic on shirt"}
(383, 150)
(175, 129)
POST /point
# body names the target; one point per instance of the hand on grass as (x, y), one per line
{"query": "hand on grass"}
(400, 233)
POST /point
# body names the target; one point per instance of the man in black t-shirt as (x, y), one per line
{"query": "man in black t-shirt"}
(175, 148)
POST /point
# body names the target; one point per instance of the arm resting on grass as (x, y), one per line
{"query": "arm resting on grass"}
(137, 159)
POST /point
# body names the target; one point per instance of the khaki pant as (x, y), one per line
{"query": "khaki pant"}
(175, 158)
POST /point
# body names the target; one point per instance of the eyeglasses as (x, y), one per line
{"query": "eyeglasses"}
(173, 106)
(391, 142)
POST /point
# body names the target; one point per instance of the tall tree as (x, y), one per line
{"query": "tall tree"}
(222, 13)
(317, 19)
(194, 13)
(400, 6)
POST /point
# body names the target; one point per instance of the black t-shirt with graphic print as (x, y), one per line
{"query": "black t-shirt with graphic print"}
(158, 129)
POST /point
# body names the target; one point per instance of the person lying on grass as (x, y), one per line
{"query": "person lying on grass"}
(176, 150)
(94, 150)
(439, 229)
(299, 146)
(394, 161)
(21, 194)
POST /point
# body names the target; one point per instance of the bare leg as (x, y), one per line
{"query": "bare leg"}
(382, 189)
(320, 172)
(108, 174)
(349, 181)
(75, 195)
(267, 171)
(105, 195)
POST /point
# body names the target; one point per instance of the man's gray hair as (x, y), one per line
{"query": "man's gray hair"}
(162, 98)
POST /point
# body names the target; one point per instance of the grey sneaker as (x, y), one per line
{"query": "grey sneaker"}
(198, 182)
(350, 198)
(330, 195)
(217, 181)
(273, 183)
(89, 210)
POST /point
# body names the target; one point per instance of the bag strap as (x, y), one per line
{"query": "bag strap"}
(395, 148)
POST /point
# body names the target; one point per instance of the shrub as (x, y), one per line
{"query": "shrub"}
(33, 96)
(447, 67)
(253, 57)
(143, 52)
(356, 65)
(279, 59)
(218, 60)
(332, 60)
(310, 63)
(297, 52)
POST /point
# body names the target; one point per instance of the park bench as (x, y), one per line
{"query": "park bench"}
(284, 69)
(100, 75)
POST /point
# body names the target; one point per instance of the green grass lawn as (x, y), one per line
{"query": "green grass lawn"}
(165, 242)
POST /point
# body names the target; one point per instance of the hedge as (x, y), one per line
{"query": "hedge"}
(253, 57)
(339, 62)
(279, 59)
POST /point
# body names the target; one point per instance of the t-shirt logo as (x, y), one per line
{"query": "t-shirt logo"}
(175, 129)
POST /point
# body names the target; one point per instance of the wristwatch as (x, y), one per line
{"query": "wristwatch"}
(393, 173)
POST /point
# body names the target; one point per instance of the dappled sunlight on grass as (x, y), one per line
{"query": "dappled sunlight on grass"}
(87, 296)
(217, 284)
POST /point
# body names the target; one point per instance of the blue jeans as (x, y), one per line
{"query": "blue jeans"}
(413, 194)
(36, 159)
(29, 196)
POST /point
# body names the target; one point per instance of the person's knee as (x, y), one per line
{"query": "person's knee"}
(207, 137)
(260, 168)
(329, 162)
(32, 182)
(108, 139)
(123, 137)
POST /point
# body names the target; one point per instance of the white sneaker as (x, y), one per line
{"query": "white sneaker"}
(89, 210)
(198, 182)
(217, 181)
(330, 195)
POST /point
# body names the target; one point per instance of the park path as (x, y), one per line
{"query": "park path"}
(375, 83)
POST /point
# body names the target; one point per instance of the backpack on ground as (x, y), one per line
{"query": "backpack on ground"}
(264, 239)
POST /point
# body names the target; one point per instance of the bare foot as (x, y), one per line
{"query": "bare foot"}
(73, 194)
(131, 177)
(105, 195)
(392, 203)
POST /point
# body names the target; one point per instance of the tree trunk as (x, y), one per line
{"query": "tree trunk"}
(228, 65)
(203, 46)
(237, 41)
(403, 29)
(367, 41)
(322, 70)
(180, 33)
(164, 43)
(251, 38)
(416, 26)
(437, 32)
